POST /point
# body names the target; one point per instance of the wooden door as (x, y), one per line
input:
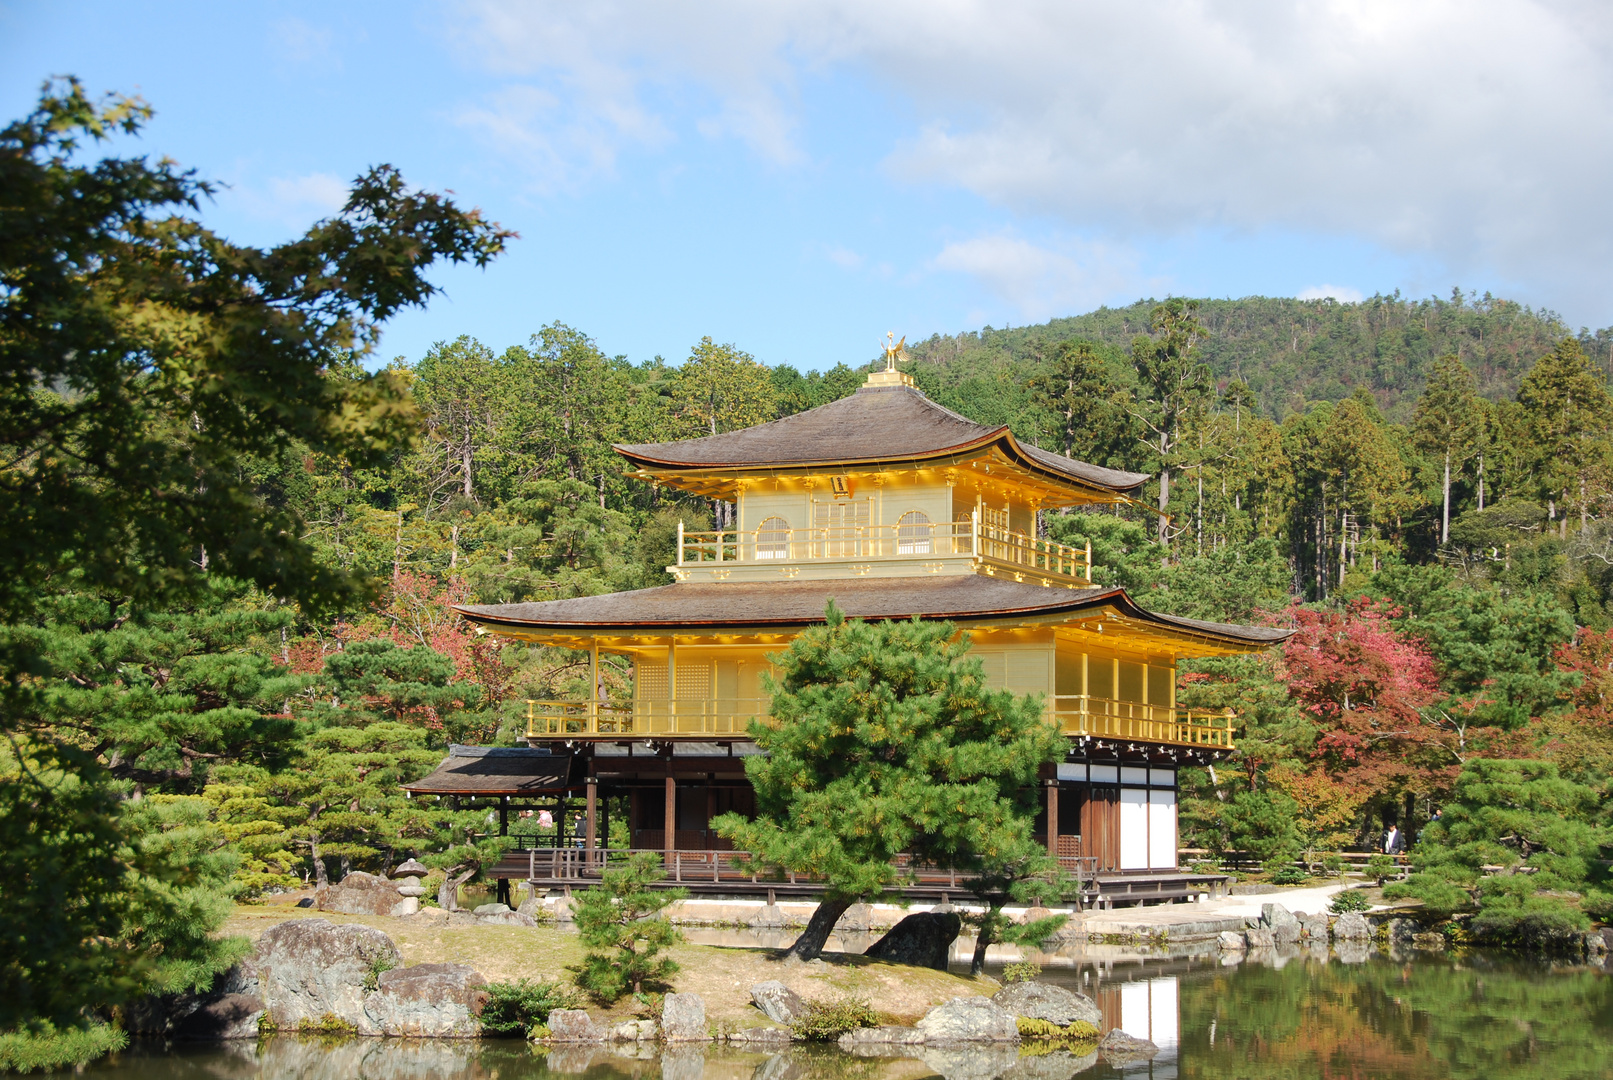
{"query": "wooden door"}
(1100, 826)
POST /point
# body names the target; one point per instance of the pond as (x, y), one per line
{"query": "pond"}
(1294, 1016)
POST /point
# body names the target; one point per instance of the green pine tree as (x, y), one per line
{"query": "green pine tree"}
(622, 914)
(888, 741)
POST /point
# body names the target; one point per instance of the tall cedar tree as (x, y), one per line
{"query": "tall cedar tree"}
(888, 741)
(1173, 387)
(1448, 425)
(1568, 412)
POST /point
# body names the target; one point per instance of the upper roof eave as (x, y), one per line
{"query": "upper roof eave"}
(874, 426)
(744, 608)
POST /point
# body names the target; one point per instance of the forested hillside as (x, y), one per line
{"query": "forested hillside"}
(1291, 352)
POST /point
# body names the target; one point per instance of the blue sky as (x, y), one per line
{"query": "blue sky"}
(799, 178)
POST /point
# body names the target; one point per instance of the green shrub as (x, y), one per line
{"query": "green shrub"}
(1349, 900)
(514, 1008)
(1333, 864)
(1381, 867)
(49, 1048)
(1288, 875)
(826, 1022)
(1023, 971)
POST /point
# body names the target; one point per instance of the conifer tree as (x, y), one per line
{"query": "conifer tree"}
(623, 914)
(1448, 424)
(1569, 416)
(887, 742)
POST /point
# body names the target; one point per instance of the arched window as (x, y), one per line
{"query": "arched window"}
(913, 533)
(773, 539)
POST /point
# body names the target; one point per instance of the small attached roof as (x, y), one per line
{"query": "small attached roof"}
(878, 425)
(497, 770)
(713, 607)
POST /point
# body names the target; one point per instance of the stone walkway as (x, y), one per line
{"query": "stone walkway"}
(1204, 919)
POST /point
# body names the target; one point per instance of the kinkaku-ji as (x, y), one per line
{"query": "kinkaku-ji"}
(894, 507)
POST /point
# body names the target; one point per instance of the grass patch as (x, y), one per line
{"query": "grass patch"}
(329, 1026)
(48, 1047)
(1044, 1036)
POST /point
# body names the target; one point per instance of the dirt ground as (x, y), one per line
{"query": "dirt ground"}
(721, 976)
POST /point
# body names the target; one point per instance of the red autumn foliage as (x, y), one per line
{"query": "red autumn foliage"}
(1590, 655)
(1370, 690)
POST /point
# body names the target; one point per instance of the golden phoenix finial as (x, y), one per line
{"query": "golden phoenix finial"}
(894, 350)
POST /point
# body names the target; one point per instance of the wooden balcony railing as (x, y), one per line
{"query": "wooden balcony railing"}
(1075, 715)
(999, 549)
(1111, 719)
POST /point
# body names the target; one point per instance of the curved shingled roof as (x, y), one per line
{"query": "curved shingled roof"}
(876, 424)
(793, 604)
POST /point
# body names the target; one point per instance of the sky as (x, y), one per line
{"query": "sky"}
(800, 178)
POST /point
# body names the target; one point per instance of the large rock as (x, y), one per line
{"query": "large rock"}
(1284, 927)
(1119, 1049)
(429, 1001)
(1352, 926)
(768, 917)
(683, 1018)
(922, 940)
(762, 1036)
(1044, 1001)
(857, 917)
(227, 1016)
(364, 894)
(505, 918)
(634, 1031)
(311, 967)
(781, 1004)
(1259, 937)
(1232, 941)
(969, 1019)
(572, 1026)
(492, 909)
(1312, 927)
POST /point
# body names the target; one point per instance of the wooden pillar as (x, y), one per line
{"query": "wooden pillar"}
(635, 817)
(591, 835)
(1053, 817)
(593, 687)
(671, 684)
(502, 888)
(560, 823)
(671, 830)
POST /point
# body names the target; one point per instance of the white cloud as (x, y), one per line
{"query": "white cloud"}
(844, 258)
(293, 201)
(1342, 293)
(301, 42)
(1473, 132)
(1039, 282)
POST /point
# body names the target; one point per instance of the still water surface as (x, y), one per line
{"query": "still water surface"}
(1296, 1018)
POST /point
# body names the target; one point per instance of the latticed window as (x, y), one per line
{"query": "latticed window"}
(773, 539)
(913, 533)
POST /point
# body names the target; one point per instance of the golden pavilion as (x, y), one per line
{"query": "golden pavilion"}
(893, 507)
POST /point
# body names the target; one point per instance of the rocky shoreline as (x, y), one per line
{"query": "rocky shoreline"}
(315, 976)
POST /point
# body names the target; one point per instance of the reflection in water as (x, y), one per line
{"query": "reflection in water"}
(1288, 1014)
